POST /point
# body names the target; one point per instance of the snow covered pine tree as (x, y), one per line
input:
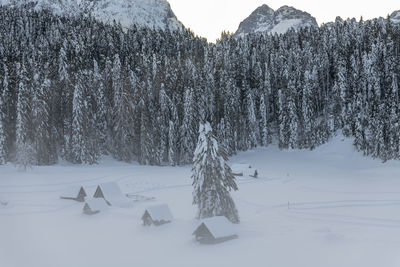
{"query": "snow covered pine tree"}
(212, 178)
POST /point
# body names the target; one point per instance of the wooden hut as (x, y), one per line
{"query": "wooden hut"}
(76, 193)
(3, 202)
(157, 215)
(215, 230)
(94, 205)
(111, 193)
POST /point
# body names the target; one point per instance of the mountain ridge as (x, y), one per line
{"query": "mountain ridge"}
(147, 13)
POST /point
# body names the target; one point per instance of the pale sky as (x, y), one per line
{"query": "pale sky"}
(208, 18)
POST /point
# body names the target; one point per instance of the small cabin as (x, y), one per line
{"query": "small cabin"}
(94, 205)
(215, 230)
(157, 215)
(111, 193)
(3, 202)
(76, 193)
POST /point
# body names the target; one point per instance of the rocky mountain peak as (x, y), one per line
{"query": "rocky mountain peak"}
(265, 19)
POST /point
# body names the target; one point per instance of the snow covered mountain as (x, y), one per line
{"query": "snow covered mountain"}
(395, 17)
(265, 19)
(148, 13)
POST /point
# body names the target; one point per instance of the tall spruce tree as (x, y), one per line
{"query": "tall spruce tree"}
(212, 178)
(188, 128)
(25, 152)
(44, 141)
(264, 131)
(3, 155)
(82, 148)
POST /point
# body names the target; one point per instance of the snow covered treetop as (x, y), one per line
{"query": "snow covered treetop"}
(205, 127)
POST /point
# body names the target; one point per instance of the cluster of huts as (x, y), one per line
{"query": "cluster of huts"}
(209, 231)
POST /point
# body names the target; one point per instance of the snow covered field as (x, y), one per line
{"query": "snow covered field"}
(327, 207)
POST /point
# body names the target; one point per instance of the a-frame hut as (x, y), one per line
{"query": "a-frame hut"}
(94, 205)
(112, 194)
(215, 230)
(74, 193)
(157, 215)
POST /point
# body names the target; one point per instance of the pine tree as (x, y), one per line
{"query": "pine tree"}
(44, 146)
(307, 110)
(5, 117)
(25, 153)
(122, 120)
(82, 148)
(171, 144)
(293, 126)
(3, 155)
(101, 109)
(283, 121)
(252, 127)
(342, 89)
(188, 132)
(265, 137)
(212, 178)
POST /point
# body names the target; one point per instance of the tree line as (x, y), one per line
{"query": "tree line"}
(73, 88)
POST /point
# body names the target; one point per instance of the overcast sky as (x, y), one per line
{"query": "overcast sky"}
(208, 18)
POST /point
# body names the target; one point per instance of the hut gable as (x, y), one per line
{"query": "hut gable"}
(157, 215)
(74, 193)
(94, 205)
(215, 230)
(111, 193)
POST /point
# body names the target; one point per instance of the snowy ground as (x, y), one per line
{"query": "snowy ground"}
(344, 210)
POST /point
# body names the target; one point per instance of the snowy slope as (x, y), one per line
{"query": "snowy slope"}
(148, 13)
(328, 207)
(265, 19)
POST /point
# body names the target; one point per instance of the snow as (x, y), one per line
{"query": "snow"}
(284, 25)
(328, 207)
(160, 213)
(219, 226)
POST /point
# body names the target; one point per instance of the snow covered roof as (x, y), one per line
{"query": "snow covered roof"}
(110, 189)
(218, 226)
(96, 204)
(72, 191)
(160, 213)
(113, 194)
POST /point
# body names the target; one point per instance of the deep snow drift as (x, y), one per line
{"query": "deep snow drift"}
(328, 207)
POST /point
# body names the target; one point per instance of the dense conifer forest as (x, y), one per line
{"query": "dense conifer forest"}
(75, 89)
